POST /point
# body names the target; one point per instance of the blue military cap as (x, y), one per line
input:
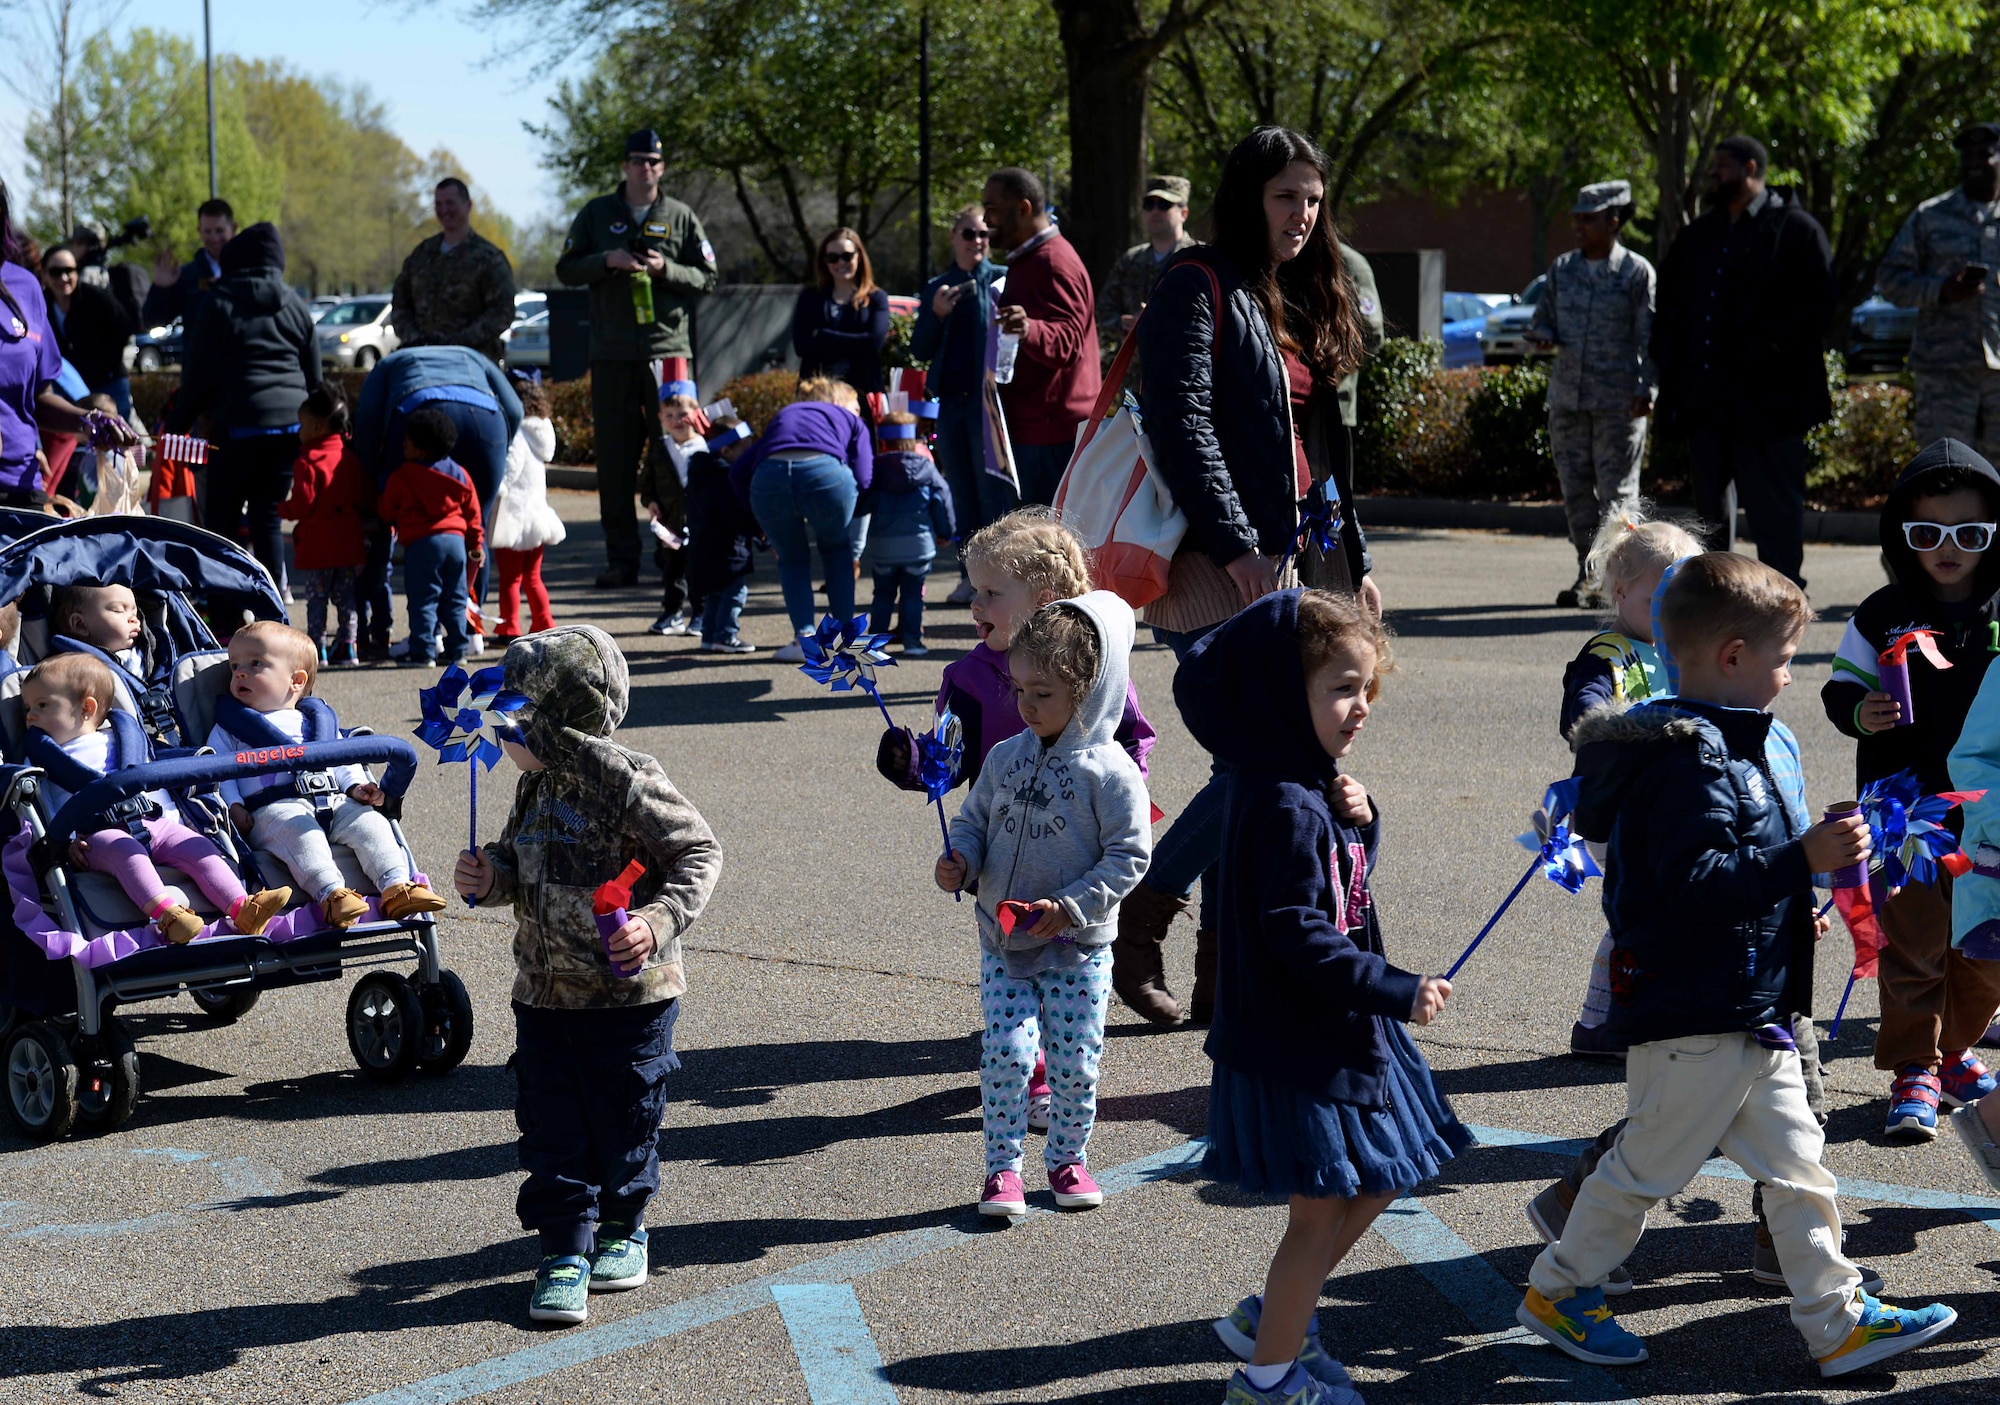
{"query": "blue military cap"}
(644, 142)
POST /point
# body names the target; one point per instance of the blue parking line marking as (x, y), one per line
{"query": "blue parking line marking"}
(830, 1337)
(1487, 1301)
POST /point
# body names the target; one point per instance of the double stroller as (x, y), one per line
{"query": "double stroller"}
(73, 947)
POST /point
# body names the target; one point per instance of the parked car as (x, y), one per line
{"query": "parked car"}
(320, 306)
(357, 332)
(527, 304)
(1881, 334)
(1507, 328)
(528, 342)
(157, 347)
(1465, 327)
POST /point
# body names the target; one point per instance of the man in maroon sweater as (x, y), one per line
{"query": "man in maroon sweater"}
(1049, 304)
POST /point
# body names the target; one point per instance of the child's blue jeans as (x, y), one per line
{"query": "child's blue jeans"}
(434, 581)
(590, 1087)
(722, 608)
(908, 581)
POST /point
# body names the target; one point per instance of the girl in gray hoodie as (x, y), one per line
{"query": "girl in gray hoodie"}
(1056, 831)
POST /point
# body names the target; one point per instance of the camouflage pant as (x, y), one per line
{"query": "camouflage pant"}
(1597, 454)
(1961, 405)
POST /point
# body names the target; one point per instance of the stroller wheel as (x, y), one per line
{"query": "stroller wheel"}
(447, 1030)
(41, 1081)
(108, 1083)
(224, 1004)
(385, 1023)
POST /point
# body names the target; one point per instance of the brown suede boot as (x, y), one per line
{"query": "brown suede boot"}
(400, 900)
(254, 911)
(1201, 1004)
(1138, 975)
(177, 924)
(343, 907)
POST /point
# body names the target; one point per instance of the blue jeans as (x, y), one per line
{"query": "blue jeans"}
(434, 582)
(1191, 848)
(977, 497)
(480, 449)
(1040, 467)
(908, 581)
(790, 496)
(721, 610)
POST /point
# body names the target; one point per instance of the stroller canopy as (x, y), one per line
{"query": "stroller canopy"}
(147, 553)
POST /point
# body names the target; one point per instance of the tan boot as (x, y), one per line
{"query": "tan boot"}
(400, 900)
(1138, 975)
(255, 911)
(343, 907)
(1201, 1004)
(177, 924)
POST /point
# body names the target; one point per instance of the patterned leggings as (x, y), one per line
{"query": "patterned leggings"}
(1060, 1013)
(337, 586)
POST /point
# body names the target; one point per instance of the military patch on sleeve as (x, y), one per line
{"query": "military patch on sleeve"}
(1367, 306)
(707, 253)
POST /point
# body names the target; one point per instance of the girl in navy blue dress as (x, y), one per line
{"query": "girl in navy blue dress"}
(1320, 1095)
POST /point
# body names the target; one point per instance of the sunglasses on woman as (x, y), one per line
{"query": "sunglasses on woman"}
(62, 270)
(975, 236)
(1971, 537)
(841, 258)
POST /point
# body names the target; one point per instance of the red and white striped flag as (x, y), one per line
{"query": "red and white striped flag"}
(183, 448)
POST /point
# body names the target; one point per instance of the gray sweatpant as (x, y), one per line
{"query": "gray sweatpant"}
(289, 829)
(1597, 454)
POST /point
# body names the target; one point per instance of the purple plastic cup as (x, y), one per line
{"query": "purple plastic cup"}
(1895, 675)
(1854, 875)
(608, 924)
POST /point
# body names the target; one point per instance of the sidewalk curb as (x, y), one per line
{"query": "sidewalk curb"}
(1547, 520)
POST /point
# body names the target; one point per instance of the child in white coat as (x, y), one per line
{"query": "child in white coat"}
(523, 522)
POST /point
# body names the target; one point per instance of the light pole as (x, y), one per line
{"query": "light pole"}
(924, 148)
(208, 61)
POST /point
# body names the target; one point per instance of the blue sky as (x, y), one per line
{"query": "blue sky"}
(444, 79)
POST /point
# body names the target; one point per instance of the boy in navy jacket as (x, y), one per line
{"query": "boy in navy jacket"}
(1937, 539)
(1709, 895)
(909, 511)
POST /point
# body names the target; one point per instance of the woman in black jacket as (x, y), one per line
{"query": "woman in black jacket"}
(251, 360)
(1240, 401)
(842, 321)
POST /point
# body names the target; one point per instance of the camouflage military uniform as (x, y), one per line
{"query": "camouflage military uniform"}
(1956, 355)
(575, 824)
(1124, 291)
(1601, 320)
(464, 297)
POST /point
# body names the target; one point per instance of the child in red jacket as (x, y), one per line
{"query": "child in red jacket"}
(332, 493)
(431, 503)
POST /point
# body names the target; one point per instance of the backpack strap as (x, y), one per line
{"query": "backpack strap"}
(314, 786)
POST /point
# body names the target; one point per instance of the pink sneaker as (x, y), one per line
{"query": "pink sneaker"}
(1003, 1195)
(1074, 1189)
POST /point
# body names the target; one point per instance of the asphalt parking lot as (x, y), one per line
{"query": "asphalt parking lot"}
(272, 1227)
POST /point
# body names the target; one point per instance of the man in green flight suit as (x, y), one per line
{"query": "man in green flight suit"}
(645, 259)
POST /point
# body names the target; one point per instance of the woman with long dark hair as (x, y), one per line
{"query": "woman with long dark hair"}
(29, 364)
(842, 320)
(1241, 406)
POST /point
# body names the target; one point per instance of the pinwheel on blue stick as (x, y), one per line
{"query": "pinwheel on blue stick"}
(939, 753)
(1560, 856)
(465, 718)
(1320, 524)
(845, 655)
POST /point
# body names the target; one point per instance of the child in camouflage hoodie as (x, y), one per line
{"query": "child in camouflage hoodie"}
(592, 1048)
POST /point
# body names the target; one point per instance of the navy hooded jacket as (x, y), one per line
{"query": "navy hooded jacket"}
(251, 355)
(1302, 981)
(1967, 633)
(1706, 888)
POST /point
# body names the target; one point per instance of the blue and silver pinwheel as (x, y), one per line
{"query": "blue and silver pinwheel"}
(940, 752)
(1560, 856)
(844, 655)
(465, 718)
(1318, 526)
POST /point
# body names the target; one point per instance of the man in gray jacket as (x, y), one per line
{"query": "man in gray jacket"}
(1597, 310)
(1942, 263)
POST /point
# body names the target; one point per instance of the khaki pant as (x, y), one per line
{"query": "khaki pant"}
(1961, 405)
(1933, 998)
(1597, 454)
(1684, 1097)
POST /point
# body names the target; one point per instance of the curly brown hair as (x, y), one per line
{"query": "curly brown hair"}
(1031, 546)
(1062, 643)
(1331, 623)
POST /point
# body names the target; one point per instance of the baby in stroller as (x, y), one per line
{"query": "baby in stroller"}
(299, 817)
(105, 622)
(76, 737)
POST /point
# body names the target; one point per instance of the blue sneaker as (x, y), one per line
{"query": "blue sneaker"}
(1913, 1105)
(620, 1260)
(1581, 1325)
(1883, 1332)
(1239, 1333)
(1964, 1079)
(1297, 1388)
(562, 1290)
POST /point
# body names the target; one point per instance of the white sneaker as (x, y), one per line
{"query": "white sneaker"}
(475, 646)
(961, 594)
(789, 653)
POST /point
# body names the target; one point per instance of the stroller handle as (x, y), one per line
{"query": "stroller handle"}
(178, 774)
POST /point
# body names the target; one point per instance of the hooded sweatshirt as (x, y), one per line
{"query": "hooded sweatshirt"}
(251, 356)
(1303, 983)
(1066, 819)
(1967, 634)
(576, 823)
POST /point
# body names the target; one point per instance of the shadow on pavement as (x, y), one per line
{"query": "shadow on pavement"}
(751, 1141)
(745, 1075)
(475, 1163)
(1523, 1075)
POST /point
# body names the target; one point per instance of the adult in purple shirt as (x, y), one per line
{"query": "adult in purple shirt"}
(803, 475)
(29, 364)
